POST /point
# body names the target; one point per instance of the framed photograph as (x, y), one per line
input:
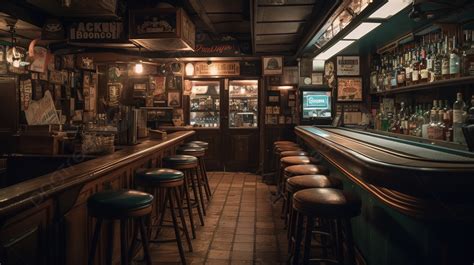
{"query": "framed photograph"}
(68, 61)
(349, 89)
(316, 78)
(174, 99)
(348, 65)
(272, 65)
(274, 80)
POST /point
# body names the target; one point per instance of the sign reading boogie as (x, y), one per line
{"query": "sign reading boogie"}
(93, 31)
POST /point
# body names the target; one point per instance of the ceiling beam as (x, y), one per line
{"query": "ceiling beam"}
(198, 7)
(21, 10)
(253, 24)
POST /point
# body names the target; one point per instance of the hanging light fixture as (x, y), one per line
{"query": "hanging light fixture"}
(15, 55)
(138, 68)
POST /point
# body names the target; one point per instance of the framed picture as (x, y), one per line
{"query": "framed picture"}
(139, 90)
(174, 99)
(274, 80)
(329, 74)
(176, 68)
(316, 78)
(348, 65)
(68, 61)
(349, 89)
(273, 98)
(272, 65)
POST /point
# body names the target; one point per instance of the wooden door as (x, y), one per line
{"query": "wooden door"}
(240, 125)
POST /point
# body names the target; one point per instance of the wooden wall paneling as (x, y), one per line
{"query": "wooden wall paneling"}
(213, 158)
(241, 152)
(25, 238)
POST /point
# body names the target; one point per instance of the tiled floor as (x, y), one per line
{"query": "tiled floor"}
(242, 226)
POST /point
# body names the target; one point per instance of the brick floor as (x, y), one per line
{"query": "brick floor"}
(242, 226)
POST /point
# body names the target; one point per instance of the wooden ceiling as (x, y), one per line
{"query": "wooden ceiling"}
(280, 27)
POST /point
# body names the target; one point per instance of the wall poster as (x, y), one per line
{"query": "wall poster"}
(349, 89)
(348, 65)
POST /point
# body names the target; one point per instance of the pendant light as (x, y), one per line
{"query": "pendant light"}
(138, 68)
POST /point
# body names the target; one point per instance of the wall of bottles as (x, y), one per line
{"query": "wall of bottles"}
(430, 58)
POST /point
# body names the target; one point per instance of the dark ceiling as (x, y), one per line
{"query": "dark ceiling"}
(263, 26)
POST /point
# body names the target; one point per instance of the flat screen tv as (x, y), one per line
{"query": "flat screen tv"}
(316, 104)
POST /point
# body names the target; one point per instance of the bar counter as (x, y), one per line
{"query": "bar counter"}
(45, 218)
(417, 198)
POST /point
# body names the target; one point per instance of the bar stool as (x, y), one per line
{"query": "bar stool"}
(276, 154)
(199, 152)
(283, 142)
(189, 166)
(165, 184)
(122, 205)
(202, 165)
(327, 204)
(301, 182)
(293, 153)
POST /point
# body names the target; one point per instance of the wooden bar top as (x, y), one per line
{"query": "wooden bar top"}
(28, 193)
(415, 178)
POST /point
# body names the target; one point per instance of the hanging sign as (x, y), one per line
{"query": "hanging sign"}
(96, 31)
(348, 65)
(217, 68)
(52, 30)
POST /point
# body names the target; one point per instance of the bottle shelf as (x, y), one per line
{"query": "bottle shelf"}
(418, 87)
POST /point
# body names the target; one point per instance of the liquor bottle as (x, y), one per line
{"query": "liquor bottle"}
(385, 123)
(430, 62)
(373, 77)
(438, 63)
(415, 66)
(413, 122)
(420, 122)
(433, 121)
(408, 69)
(441, 124)
(468, 53)
(380, 79)
(454, 60)
(426, 122)
(445, 59)
(403, 119)
(387, 77)
(458, 111)
(393, 79)
(400, 72)
(424, 73)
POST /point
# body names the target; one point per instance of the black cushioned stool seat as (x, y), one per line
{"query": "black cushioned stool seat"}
(322, 205)
(120, 205)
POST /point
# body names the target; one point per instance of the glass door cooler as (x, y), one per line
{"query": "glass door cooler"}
(243, 104)
(204, 104)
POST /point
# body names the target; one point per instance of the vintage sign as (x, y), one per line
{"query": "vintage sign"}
(349, 89)
(52, 30)
(96, 31)
(348, 65)
(217, 69)
(41, 112)
(40, 60)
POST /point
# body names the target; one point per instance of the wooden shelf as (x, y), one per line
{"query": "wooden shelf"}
(437, 84)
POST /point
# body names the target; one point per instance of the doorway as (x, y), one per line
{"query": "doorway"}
(225, 113)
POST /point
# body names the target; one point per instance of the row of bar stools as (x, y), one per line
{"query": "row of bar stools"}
(278, 148)
(306, 168)
(202, 166)
(121, 205)
(333, 206)
(189, 166)
(166, 184)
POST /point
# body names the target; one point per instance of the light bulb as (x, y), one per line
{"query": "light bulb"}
(138, 68)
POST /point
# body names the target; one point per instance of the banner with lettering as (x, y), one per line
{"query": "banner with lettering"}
(106, 31)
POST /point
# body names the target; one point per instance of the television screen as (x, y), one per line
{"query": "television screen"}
(316, 104)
